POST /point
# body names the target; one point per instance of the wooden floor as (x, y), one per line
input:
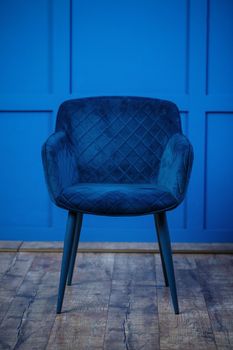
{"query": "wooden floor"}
(117, 301)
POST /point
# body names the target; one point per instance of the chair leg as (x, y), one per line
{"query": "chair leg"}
(68, 241)
(166, 255)
(162, 257)
(78, 226)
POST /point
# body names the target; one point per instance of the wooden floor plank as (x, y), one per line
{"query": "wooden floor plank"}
(32, 312)
(83, 321)
(12, 280)
(132, 316)
(191, 329)
(6, 262)
(10, 246)
(114, 247)
(216, 279)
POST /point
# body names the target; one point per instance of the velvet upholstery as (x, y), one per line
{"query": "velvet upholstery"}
(117, 156)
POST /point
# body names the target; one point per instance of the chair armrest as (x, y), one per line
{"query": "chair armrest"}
(60, 165)
(176, 165)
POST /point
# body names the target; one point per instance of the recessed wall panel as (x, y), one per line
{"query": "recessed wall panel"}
(129, 47)
(219, 171)
(25, 46)
(220, 47)
(23, 194)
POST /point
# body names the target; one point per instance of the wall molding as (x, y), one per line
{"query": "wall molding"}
(115, 247)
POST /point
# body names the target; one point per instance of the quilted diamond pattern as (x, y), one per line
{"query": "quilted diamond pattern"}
(116, 199)
(118, 139)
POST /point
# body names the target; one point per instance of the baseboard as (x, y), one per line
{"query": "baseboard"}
(116, 247)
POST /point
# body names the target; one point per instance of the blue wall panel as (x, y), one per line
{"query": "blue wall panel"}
(219, 172)
(25, 46)
(55, 50)
(220, 47)
(22, 184)
(125, 45)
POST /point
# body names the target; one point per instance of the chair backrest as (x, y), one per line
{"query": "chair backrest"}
(118, 139)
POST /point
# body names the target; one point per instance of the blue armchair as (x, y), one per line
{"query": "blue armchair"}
(117, 156)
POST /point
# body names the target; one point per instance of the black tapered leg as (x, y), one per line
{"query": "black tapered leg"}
(166, 256)
(162, 258)
(68, 242)
(78, 226)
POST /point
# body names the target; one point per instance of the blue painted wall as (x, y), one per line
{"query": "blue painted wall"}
(52, 50)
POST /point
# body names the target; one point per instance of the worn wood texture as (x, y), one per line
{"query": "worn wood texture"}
(116, 247)
(8, 246)
(117, 301)
(192, 328)
(132, 316)
(216, 280)
(85, 307)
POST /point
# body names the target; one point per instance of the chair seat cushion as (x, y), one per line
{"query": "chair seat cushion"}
(116, 199)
